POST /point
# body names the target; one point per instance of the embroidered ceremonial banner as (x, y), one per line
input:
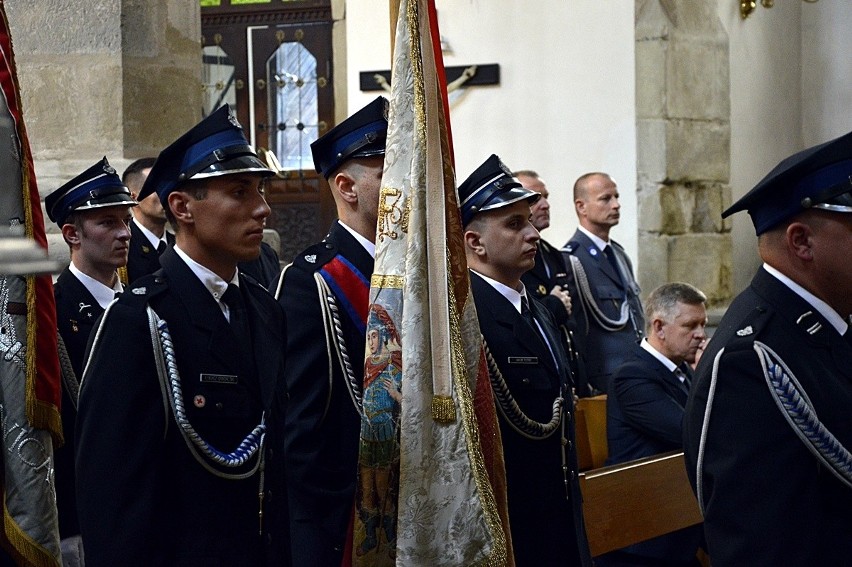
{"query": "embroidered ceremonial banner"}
(29, 366)
(425, 484)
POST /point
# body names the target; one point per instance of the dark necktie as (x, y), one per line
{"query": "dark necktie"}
(609, 253)
(683, 376)
(233, 298)
(161, 247)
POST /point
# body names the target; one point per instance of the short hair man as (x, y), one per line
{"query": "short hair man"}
(547, 281)
(183, 395)
(607, 308)
(92, 211)
(646, 400)
(148, 227)
(545, 510)
(326, 291)
(767, 430)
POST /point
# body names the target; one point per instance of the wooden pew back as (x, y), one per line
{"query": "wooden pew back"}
(632, 502)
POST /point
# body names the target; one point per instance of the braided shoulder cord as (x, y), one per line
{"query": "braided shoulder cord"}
(331, 320)
(797, 409)
(512, 412)
(588, 299)
(69, 379)
(699, 465)
(248, 448)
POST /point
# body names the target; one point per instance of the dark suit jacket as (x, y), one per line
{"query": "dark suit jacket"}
(767, 500)
(142, 257)
(644, 417)
(604, 351)
(323, 425)
(76, 313)
(143, 498)
(644, 408)
(547, 528)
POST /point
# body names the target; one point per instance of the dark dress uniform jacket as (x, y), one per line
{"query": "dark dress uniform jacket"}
(265, 268)
(323, 426)
(767, 499)
(143, 497)
(76, 313)
(547, 527)
(539, 282)
(603, 350)
(644, 417)
(142, 256)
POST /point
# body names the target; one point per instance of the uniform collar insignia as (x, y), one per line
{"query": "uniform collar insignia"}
(745, 332)
(593, 251)
(139, 291)
(311, 258)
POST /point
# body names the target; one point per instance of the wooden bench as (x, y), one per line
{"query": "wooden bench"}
(632, 502)
(590, 429)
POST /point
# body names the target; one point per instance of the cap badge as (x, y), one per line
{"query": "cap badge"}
(745, 332)
(505, 169)
(109, 169)
(232, 118)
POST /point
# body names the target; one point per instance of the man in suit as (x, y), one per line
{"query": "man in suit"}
(149, 237)
(532, 368)
(181, 403)
(607, 309)
(92, 211)
(767, 429)
(325, 291)
(645, 405)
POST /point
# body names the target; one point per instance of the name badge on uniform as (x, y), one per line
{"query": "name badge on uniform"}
(530, 360)
(219, 379)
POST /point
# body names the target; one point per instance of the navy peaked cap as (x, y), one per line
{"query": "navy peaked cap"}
(819, 177)
(490, 187)
(214, 147)
(97, 187)
(361, 135)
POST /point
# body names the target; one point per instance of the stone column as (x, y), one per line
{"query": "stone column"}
(683, 146)
(120, 78)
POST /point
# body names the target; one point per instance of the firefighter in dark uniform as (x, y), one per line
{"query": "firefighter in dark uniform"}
(768, 428)
(180, 414)
(528, 364)
(92, 211)
(149, 237)
(325, 296)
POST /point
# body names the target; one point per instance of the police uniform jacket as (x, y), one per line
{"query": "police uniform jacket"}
(323, 425)
(76, 313)
(603, 350)
(143, 497)
(644, 417)
(142, 256)
(547, 527)
(767, 499)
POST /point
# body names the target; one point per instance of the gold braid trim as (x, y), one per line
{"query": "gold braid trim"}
(23, 549)
(443, 409)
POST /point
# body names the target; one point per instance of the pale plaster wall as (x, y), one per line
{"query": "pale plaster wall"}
(566, 100)
(766, 113)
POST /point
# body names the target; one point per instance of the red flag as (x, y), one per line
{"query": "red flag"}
(29, 369)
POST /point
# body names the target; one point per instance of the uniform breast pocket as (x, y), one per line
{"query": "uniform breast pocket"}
(608, 292)
(215, 396)
(526, 373)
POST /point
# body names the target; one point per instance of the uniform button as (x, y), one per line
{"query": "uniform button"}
(570, 446)
(573, 475)
(525, 381)
(327, 246)
(220, 406)
(568, 415)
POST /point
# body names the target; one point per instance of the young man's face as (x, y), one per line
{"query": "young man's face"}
(103, 236)
(508, 241)
(227, 223)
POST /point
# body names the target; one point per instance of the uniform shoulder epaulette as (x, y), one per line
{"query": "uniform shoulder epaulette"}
(142, 290)
(570, 247)
(316, 256)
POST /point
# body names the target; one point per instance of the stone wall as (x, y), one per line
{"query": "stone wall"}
(683, 146)
(120, 78)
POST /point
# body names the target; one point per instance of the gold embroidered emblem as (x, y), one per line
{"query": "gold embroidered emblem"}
(391, 213)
